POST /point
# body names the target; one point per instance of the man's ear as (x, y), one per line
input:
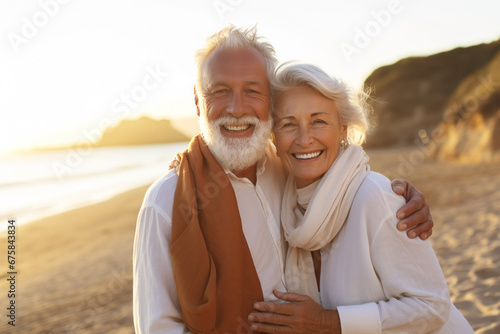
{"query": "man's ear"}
(196, 101)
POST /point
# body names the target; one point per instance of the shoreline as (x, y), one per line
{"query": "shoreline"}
(25, 221)
(43, 184)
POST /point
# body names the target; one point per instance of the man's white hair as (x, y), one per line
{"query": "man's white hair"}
(230, 38)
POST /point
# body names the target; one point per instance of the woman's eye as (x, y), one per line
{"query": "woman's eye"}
(287, 126)
(319, 121)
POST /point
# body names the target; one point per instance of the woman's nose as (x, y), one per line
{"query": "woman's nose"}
(304, 136)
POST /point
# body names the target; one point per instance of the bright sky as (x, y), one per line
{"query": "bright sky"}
(68, 68)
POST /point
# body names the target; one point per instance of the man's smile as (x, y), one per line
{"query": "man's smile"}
(236, 127)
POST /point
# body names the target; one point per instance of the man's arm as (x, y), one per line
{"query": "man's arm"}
(415, 215)
(156, 307)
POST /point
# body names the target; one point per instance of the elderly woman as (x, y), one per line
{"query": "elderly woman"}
(338, 218)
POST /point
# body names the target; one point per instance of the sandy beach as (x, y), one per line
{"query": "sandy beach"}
(75, 268)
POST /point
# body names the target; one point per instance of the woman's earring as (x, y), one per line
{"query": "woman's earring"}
(344, 143)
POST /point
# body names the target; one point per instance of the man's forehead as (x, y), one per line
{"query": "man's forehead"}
(244, 63)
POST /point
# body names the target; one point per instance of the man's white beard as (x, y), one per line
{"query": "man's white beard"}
(236, 154)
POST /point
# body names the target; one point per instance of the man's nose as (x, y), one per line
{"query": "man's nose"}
(236, 106)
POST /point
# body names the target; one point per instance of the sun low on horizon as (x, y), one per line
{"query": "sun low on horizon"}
(73, 68)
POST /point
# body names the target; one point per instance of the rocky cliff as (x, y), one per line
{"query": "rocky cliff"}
(470, 129)
(447, 100)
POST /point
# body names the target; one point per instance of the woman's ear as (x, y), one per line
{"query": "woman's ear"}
(344, 131)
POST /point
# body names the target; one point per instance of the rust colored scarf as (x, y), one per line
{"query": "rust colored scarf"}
(213, 269)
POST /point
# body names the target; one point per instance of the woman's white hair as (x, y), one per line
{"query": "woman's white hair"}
(352, 106)
(231, 37)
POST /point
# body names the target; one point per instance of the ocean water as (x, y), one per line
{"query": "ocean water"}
(40, 184)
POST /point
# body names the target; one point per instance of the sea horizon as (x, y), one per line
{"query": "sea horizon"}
(39, 184)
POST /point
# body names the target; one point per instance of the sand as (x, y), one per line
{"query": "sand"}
(465, 206)
(75, 268)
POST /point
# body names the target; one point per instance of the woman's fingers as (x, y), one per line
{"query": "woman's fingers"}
(275, 307)
(290, 296)
(269, 318)
(265, 328)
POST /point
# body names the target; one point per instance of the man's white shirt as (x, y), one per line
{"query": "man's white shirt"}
(156, 306)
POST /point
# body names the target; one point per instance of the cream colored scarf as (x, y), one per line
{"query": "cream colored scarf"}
(325, 215)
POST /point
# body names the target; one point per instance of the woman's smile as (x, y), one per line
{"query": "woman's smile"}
(307, 156)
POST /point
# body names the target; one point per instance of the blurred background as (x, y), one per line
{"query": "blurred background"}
(96, 97)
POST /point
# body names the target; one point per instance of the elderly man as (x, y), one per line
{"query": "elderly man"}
(208, 241)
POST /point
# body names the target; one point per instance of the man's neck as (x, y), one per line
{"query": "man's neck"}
(250, 173)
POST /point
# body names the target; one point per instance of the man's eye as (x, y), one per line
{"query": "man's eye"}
(220, 91)
(253, 91)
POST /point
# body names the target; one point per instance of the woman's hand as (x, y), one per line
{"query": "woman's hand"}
(300, 315)
(416, 214)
